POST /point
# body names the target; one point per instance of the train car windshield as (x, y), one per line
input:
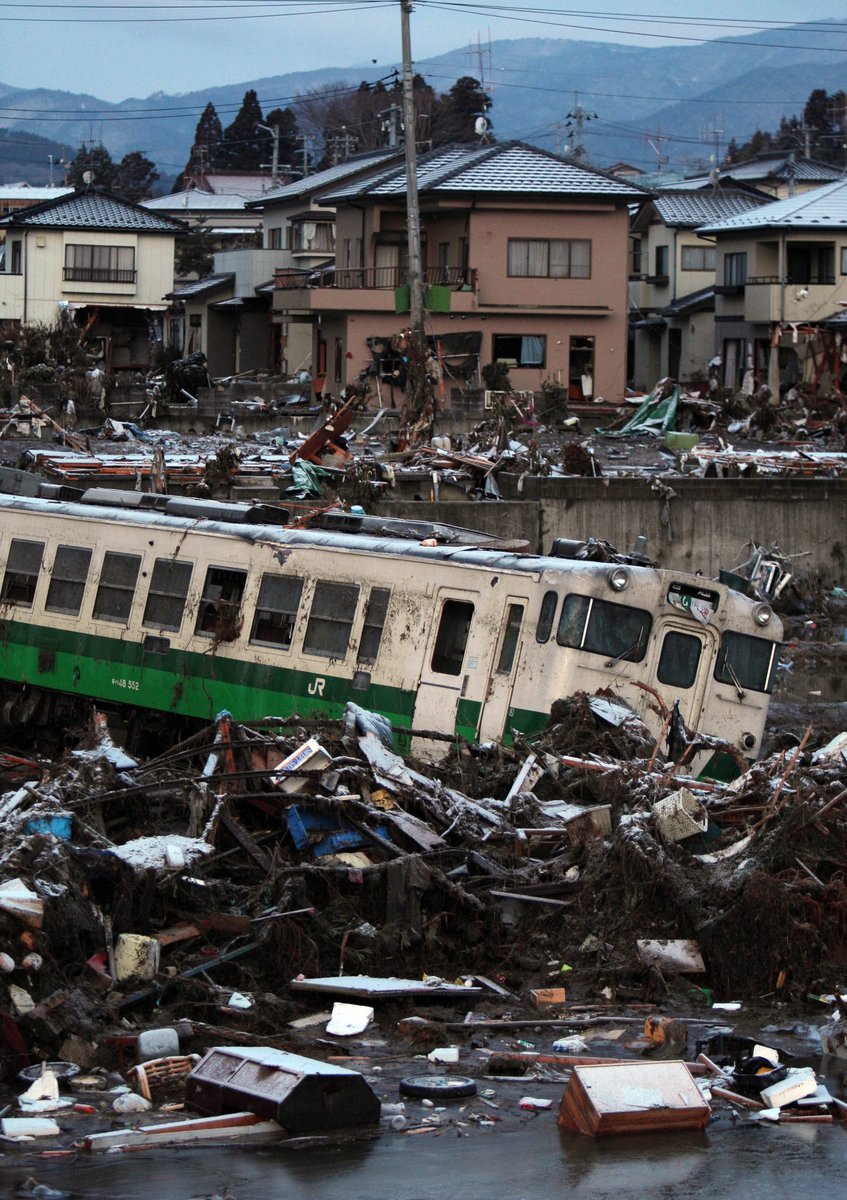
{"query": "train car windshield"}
(748, 663)
(601, 627)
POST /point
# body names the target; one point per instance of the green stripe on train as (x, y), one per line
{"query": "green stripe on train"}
(193, 684)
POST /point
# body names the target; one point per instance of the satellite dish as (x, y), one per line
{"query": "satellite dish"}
(88, 178)
(481, 126)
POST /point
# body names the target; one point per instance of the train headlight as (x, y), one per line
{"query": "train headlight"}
(748, 741)
(619, 579)
(762, 614)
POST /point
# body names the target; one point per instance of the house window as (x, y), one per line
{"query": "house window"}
(452, 639)
(168, 590)
(698, 258)
(16, 264)
(375, 614)
(520, 350)
(545, 258)
(276, 610)
(22, 569)
(636, 256)
(275, 238)
(735, 270)
(220, 605)
(331, 619)
(99, 264)
(67, 580)
(113, 601)
(844, 260)
(314, 237)
(661, 262)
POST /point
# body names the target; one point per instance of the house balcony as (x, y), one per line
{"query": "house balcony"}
(768, 298)
(370, 289)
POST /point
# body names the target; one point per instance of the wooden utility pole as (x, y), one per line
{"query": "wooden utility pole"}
(412, 208)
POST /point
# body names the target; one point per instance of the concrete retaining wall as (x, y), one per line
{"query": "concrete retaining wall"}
(690, 524)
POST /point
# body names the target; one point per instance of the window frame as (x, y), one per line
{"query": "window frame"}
(517, 363)
(265, 612)
(320, 622)
(58, 579)
(109, 587)
(442, 650)
(635, 654)
(770, 676)
(516, 270)
(735, 268)
(170, 564)
(372, 630)
(702, 252)
(94, 262)
(23, 576)
(220, 616)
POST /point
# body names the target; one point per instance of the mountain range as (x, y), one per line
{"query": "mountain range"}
(639, 104)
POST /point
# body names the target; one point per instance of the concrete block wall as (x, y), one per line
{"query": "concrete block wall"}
(690, 524)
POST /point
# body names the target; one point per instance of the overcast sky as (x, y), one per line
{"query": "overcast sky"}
(176, 46)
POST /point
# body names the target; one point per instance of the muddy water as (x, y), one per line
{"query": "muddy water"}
(536, 1162)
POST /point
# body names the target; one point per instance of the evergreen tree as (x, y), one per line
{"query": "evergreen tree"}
(97, 160)
(454, 115)
(134, 177)
(208, 137)
(285, 120)
(244, 146)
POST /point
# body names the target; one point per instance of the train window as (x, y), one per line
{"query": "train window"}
(166, 597)
(679, 660)
(452, 638)
(376, 611)
(68, 579)
(220, 604)
(545, 618)
(22, 569)
(601, 627)
(117, 586)
(331, 619)
(514, 617)
(748, 663)
(276, 610)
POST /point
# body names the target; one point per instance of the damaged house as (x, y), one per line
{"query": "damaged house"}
(93, 259)
(524, 263)
(781, 290)
(228, 315)
(672, 282)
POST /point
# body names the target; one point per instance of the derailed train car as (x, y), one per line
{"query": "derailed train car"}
(186, 615)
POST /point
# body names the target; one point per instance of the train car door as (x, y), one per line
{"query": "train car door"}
(683, 658)
(504, 660)
(447, 665)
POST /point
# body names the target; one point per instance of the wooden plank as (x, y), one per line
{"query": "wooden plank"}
(244, 839)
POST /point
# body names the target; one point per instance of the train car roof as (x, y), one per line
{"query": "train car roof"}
(484, 557)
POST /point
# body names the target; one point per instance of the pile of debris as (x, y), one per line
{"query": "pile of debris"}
(252, 867)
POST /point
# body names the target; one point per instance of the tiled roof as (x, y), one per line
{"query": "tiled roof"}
(693, 302)
(506, 167)
(781, 166)
(695, 208)
(93, 210)
(201, 287)
(329, 177)
(824, 208)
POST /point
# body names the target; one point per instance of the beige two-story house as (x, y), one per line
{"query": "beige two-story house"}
(93, 259)
(672, 280)
(781, 285)
(524, 262)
